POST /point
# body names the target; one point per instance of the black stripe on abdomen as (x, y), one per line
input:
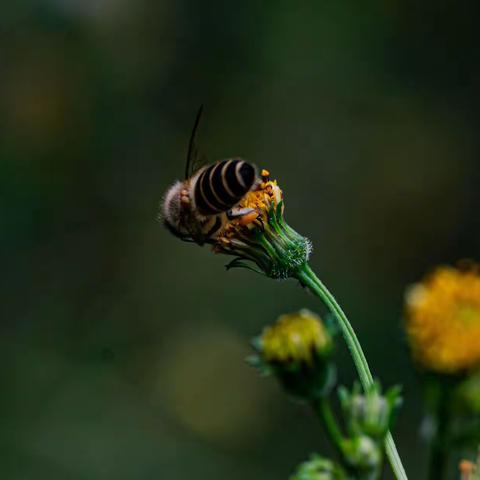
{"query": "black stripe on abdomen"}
(239, 176)
(205, 199)
(222, 185)
(232, 180)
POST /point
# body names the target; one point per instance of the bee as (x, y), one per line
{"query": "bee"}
(197, 208)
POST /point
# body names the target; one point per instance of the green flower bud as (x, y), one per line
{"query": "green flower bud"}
(468, 394)
(362, 453)
(296, 349)
(371, 413)
(319, 468)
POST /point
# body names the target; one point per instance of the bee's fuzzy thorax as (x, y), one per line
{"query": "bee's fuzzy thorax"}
(170, 203)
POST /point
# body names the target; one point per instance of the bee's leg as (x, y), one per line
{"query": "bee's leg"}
(239, 212)
(184, 197)
(215, 228)
(185, 203)
(174, 231)
(245, 215)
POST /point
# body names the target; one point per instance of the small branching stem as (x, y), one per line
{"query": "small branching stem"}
(323, 410)
(307, 277)
(439, 454)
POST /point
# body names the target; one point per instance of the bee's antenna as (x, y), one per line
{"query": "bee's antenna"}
(191, 143)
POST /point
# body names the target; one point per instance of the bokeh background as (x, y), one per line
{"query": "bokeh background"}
(123, 348)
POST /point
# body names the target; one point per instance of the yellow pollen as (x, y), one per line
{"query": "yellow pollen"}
(295, 337)
(266, 194)
(443, 320)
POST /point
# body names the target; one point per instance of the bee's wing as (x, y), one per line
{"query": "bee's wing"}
(195, 160)
(199, 160)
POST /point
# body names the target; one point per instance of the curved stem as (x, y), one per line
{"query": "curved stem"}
(308, 278)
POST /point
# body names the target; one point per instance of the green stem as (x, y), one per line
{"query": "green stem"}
(308, 278)
(439, 454)
(324, 412)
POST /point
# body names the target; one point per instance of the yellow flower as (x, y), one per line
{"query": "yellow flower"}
(443, 320)
(295, 337)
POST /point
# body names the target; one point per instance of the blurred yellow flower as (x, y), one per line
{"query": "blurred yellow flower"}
(443, 319)
(470, 470)
(467, 470)
(295, 337)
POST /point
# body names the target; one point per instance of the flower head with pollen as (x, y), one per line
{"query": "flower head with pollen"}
(443, 320)
(264, 238)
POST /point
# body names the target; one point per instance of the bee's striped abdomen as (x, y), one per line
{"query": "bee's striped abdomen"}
(222, 185)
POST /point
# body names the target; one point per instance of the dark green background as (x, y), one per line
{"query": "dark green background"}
(123, 348)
